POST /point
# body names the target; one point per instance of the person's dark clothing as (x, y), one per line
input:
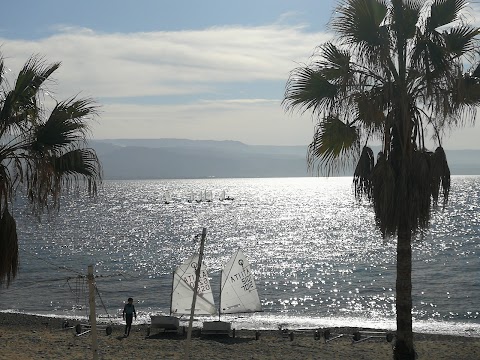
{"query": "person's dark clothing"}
(128, 312)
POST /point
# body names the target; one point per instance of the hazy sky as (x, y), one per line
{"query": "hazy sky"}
(198, 69)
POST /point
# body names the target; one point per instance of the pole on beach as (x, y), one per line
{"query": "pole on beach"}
(93, 316)
(194, 300)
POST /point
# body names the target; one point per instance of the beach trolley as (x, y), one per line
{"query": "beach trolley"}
(365, 335)
(217, 328)
(82, 329)
(165, 323)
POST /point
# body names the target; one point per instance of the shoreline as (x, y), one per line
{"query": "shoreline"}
(38, 337)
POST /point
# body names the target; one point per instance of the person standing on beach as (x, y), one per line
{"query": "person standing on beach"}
(128, 313)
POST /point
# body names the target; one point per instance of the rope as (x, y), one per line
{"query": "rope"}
(103, 304)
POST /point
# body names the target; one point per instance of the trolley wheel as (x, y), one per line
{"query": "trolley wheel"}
(78, 328)
(389, 337)
(356, 336)
(109, 330)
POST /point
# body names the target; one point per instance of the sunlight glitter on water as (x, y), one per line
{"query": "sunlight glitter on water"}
(314, 250)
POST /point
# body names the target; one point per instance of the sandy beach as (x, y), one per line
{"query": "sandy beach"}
(34, 337)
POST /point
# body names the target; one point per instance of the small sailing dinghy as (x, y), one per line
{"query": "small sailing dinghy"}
(182, 295)
(167, 197)
(238, 293)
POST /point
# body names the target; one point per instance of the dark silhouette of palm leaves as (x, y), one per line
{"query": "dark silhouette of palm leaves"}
(41, 155)
(395, 74)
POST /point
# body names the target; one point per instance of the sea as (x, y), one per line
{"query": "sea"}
(318, 259)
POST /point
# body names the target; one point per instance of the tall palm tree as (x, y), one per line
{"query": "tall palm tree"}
(395, 74)
(42, 152)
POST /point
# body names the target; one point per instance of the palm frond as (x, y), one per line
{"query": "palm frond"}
(460, 40)
(358, 22)
(334, 146)
(335, 65)
(411, 12)
(65, 126)
(370, 107)
(308, 89)
(21, 104)
(8, 248)
(444, 12)
(363, 171)
(440, 176)
(78, 162)
(383, 182)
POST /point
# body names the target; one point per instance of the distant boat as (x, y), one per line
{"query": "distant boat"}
(208, 196)
(222, 196)
(167, 197)
(190, 197)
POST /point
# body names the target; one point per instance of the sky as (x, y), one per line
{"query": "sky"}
(198, 69)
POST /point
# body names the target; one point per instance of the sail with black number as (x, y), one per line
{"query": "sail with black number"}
(183, 287)
(238, 292)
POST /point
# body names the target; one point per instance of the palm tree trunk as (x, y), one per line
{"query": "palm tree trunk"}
(404, 341)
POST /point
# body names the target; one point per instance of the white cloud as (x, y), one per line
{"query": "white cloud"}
(196, 63)
(167, 63)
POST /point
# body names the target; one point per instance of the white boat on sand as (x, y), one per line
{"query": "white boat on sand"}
(238, 294)
(182, 294)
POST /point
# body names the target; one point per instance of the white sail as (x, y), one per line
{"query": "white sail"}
(238, 290)
(167, 197)
(222, 195)
(208, 195)
(183, 285)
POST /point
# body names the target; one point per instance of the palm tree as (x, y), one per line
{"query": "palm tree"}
(42, 152)
(395, 74)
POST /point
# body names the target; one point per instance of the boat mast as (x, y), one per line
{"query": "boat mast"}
(220, 298)
(171, 292)
(195, 291)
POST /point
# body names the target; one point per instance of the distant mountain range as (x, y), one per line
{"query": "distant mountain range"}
(181, 158)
